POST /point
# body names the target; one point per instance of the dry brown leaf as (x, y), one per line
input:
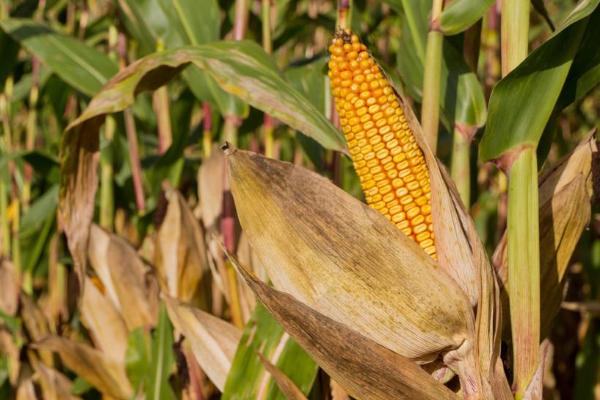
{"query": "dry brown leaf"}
(364, 368)
(9, 287)
(104, 322)
(211, 177)
(347, 261)
(55, 386)
(11, 351)
(130, 284)
(180, 252)
(213, 341)
(106, 375)
(79, 181)
(26, 390)
(565, 210)
(284, 383)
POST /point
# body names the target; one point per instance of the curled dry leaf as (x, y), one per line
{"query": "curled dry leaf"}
(180, 253)
(211, 177)
(128, 281)
(9, 287)
(104, 322)
(55, 386)
(10, 350)
(104, 374)
(79, 180)
(347, 261)
(26, 390)
(364, 368)
(285, 384)
(213, 341)
(565, 210)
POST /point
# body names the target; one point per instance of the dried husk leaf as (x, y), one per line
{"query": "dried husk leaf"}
(565, 210)
(364, 368)
(462, 255)
(129, 282)
(9, 287)
(104, 374)
(35, 323)
(103, 321)
(347, 261)
(284, 383)
(211, 177)
(55, 386)
(181, 259)
(213, 341)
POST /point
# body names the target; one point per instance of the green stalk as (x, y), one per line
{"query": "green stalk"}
(207, 129)
(514, 33)
(460, 167)
(524, 267)
(107, 205)
(268, 47)
(230, 129)
(430, 111)
(522, 219)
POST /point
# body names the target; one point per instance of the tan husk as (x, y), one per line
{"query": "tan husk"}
(347, 261)
(213, 341)
(462, 256)
(365, 369)
(565, 193)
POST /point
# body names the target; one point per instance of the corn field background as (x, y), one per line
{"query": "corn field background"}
(182, 199)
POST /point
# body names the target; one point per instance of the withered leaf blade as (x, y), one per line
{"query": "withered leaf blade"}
(129, 282)
(181, 258)
(565, 210)
(211, 177)
(79, 180)
(9, 287)
(213, 341)
(106, 375)
(55, 386)
(364, 368)
(285, 384)
(103, 321)
(345, 260)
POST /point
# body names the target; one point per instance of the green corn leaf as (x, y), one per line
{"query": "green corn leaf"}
(533, 89)
(81, 66)
(459, 15)
(248, 377)
(240, 68)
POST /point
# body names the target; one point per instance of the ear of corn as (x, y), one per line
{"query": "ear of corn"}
(389, 163)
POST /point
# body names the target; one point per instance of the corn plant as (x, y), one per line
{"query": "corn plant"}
(299, 199)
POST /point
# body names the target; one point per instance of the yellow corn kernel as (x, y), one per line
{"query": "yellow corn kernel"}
(379, 139)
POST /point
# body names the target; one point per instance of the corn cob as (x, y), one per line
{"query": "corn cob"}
(389, 163)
